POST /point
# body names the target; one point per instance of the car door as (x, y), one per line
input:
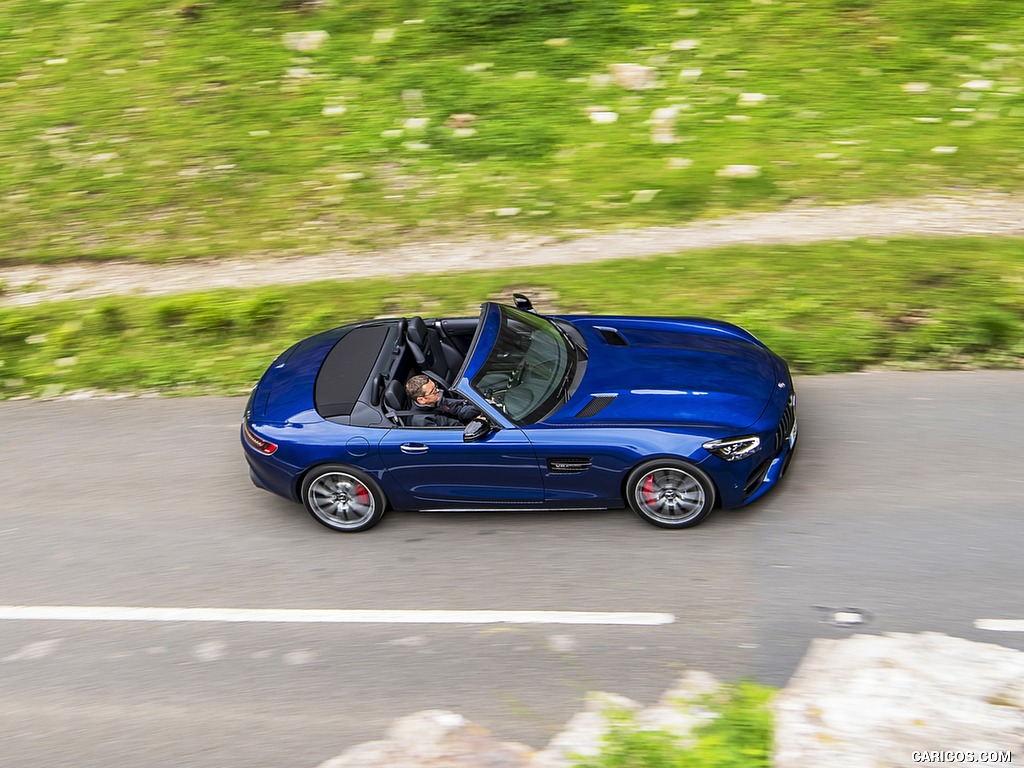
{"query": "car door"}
(437, 469)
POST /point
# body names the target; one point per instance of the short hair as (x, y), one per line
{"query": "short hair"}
(415, 384)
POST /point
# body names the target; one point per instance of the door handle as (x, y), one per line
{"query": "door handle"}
(414, 448)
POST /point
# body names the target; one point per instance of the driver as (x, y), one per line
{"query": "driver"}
(431, 408)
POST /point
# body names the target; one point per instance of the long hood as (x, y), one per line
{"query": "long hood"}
(666, 371)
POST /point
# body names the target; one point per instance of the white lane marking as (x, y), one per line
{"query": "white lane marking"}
(1000, 625)
(325, 616)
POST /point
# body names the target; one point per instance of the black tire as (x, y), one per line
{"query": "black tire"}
(343, 498)
(670, 493)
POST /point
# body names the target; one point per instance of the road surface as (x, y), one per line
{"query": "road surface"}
(901, 511)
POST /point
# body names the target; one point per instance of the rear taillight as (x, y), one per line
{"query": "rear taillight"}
(263, 446)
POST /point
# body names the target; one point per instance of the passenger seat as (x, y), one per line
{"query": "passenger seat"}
(434, 356)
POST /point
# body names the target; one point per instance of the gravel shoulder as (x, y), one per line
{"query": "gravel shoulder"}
(938, 215)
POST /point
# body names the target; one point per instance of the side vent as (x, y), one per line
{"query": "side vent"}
(611, 336)
(595, 406)
(568, 465)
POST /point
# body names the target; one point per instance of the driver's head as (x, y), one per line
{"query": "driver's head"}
(422, 390)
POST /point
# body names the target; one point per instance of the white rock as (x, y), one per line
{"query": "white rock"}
(691, 74)
(739, 172)
(584, 733)
(508, 211)
(434, 738)
(945, 150)
(751, 99)
(383, 36)
(644, 195)
(977, 85)
(633, 77)
(875, 700)
(917, 87)
(417, 123)
(305, 42)
(685, 45)
(334, 110)
(601, 117)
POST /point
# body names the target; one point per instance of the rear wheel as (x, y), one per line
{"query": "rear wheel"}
(342, 498)
(670, 493)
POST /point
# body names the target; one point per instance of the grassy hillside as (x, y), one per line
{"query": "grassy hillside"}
(157, 129)
(947, 303)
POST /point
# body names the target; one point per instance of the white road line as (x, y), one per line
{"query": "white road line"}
(316, 616)
(1000, 625)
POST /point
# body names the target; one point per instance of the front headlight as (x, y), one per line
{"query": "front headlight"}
(734, 448)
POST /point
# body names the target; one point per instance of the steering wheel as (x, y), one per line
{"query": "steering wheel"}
(497, 399)
(516, 377)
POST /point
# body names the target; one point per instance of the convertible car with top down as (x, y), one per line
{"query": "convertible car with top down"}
(670, 417)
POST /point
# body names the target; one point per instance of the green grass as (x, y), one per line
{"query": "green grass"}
(167, 129)
(737, 734)
(829, 307)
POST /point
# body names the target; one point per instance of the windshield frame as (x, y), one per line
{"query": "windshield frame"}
(501, 356)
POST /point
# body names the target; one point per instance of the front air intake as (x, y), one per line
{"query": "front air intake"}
(595, 406)
(611, 336)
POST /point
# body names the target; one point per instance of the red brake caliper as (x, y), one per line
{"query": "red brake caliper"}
(650, 496)
(362, 495)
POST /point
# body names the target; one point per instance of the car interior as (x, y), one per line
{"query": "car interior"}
(436, 348)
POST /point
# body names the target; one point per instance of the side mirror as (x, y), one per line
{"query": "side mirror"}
(523, 303)
(477, 429)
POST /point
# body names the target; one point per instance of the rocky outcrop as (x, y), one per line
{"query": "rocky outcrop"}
(867, 701)
(440, 739)
(434, 739)
(875, 701)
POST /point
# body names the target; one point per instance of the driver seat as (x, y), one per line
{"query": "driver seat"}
(396, 403)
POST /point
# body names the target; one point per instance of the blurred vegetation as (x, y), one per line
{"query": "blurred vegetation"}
(737, 733)
(843, 306)
(167, 129)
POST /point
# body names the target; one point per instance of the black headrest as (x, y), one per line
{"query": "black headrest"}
(417, 333)
(394, 396)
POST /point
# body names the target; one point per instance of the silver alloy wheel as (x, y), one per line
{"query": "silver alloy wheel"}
(670, 495)
(341, 500)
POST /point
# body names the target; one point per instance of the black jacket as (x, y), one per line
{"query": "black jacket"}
(448, 412)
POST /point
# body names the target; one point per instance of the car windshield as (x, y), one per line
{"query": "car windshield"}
(529, 369)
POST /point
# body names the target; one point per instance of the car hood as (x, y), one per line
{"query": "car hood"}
(668, 371)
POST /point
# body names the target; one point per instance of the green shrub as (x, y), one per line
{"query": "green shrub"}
(736, 734)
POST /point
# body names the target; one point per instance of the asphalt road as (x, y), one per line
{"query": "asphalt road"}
(903, 503)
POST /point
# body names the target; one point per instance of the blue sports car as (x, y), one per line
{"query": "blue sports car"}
(672, 417)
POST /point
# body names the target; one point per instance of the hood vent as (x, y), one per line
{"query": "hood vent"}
(595, 406)
(611, 336)
(568, 465)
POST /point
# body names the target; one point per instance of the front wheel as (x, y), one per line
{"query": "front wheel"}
(670, 493)
(342, 498)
